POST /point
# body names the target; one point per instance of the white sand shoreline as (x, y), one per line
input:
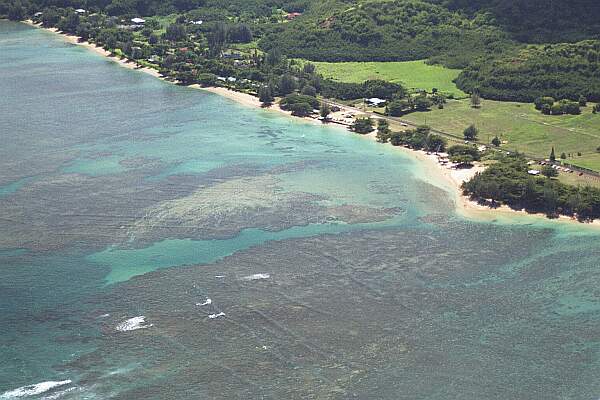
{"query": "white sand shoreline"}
(453, 178)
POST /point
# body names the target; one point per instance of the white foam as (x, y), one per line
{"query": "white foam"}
(207, 302)
(59, 394)
(213, 316)
(133, 324)
(32, 390)
(256, 277)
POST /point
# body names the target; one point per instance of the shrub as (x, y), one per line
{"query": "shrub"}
(291, 99)
(362, 125)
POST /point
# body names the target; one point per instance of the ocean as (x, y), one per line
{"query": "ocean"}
(161, 242)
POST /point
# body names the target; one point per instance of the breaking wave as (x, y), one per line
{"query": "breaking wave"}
(32, 390)
(133, 324)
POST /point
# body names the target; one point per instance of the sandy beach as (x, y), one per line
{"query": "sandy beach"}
(452, 178)
(97, 49)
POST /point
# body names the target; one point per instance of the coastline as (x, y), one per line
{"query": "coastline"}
(452, 178)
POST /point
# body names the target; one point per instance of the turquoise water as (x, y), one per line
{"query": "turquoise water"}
(339, 271)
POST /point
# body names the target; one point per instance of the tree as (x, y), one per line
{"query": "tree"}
(300, 109)
(153, 39)
(549, 172)
(422, 103)
(540, 102)
(383, 130)
(496, 141)
(69, 23)
(396, 108)
(463, 160)
(287, 84)
(552, 155)
(460, 150)
(265, 96)
(309, 68)
(84, 30)
(435, 143)
(239, 34)
(546, 109)
(362, 125)
(471, 133)
(206, 79)
(582, 101)
(596, 108)
(16, 12)
(324, 111)
(309, 91)
(273, 57)
(475, 100)
(563, 156)
(186, 77)
(217, 39)
(175, 32)
(550, 199)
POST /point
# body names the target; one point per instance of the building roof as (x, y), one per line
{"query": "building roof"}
(376, 100)
(80, 10)
(138, 20)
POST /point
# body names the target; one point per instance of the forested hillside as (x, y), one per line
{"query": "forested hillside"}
(563, 71)
(379, 30)
(538, 21)
(493, 40)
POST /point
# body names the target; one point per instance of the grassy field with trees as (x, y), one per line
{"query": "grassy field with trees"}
(521, 127)
(413, 75)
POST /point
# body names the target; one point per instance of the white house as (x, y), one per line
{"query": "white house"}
(376, 101)
(138, 21)
(80, 11)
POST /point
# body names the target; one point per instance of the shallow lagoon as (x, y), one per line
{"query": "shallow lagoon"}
(114, 186)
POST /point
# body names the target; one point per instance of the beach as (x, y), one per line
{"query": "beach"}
(451, 179)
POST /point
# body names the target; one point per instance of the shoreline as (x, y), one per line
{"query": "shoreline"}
(453, 178)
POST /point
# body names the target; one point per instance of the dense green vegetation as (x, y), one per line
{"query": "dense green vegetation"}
(562, 71)
(483, 36)
(507, 182)
(538, 21)
(387, 30)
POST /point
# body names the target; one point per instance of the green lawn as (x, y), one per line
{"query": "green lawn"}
(412, 74)
(524, 128)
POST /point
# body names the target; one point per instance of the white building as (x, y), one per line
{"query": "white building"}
(376, 101)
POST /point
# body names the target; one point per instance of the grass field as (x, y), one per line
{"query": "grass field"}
(523, 128)
(412, 74)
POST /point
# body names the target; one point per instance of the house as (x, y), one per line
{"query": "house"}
(80, 11)
(199, 22)
(38, 14)
(375, 101)
(293, 15)
(533, 172)
(138, 21)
